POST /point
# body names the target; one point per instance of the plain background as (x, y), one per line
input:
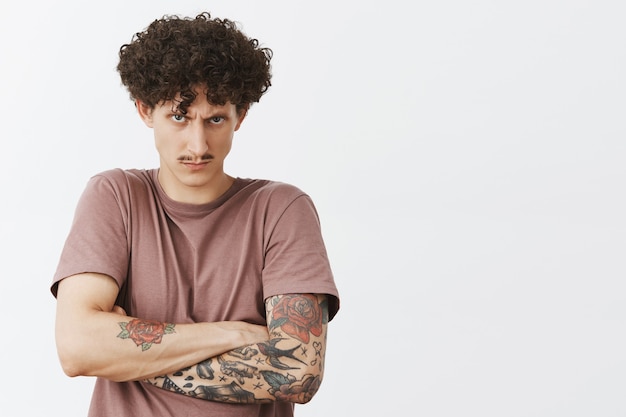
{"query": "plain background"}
(466, 159)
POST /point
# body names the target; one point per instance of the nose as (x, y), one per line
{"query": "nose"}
(197, 142)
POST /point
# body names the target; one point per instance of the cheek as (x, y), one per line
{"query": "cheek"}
(158, 143)
(228, 146)
(165, 143)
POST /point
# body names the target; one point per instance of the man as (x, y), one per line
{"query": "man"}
(185, 291)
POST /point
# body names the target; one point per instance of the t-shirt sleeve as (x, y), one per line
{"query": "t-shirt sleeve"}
(296, 259)
(97, 241)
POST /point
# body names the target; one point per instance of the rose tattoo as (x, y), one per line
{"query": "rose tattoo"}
(287, 388)
(298, 315)
(145, 332)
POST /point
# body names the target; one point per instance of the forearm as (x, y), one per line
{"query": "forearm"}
(104, 349)
(247, 376)
(284, 368)
(93, 341)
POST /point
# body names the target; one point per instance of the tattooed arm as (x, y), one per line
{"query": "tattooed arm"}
(93, 339)
(287, 367)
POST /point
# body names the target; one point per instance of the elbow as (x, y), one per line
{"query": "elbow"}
(70, 368)
(70, 351)
(76, 356)
(75, 364)
(76, 361)
(70, 361)
(306, 389)
(302, 388)
(70, 371)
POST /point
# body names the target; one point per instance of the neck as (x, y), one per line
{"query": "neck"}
(191, 193)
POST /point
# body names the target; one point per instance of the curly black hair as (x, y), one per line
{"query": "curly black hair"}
(175, 55)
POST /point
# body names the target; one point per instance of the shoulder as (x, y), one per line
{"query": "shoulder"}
(122, 180)
(276, 199)
(118, 187)
(272, 190)
(124, 176)
(274, 196)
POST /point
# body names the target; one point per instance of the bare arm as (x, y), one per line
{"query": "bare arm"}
(287, 367)
(92, 340)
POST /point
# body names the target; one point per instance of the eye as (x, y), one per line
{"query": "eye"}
(216, 120)
(178, 118)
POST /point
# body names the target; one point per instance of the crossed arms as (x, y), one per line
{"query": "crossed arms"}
(231, 361)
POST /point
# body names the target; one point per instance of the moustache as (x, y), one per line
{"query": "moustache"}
(189, 158)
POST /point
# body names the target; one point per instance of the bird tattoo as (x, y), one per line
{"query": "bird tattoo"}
(274, 354)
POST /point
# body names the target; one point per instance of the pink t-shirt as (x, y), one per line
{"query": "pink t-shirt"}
(183, 263)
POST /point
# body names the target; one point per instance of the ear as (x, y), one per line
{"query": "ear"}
(145, 112)
(242, 115)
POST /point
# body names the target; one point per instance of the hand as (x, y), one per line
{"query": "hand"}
(118, 310)
(255, 333)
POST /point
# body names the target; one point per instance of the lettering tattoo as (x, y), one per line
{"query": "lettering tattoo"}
(145, 332)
